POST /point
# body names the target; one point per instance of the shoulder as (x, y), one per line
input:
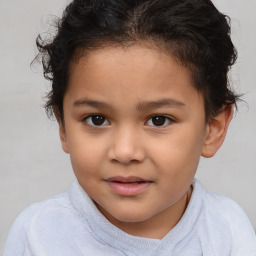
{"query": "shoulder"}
(219, 205)
(226, 222)
(44, 209)
(36, 222)
(225, 209)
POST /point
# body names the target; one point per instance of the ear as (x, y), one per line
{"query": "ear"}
(216, 132)
(62, 132)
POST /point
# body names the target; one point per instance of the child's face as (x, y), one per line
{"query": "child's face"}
(135, 129)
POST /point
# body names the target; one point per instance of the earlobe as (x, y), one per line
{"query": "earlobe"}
(62, 132)
(63, 138)
(216, 132)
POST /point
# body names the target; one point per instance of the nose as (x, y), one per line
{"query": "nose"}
(126, 147)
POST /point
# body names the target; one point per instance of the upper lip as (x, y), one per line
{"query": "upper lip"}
(126, 179)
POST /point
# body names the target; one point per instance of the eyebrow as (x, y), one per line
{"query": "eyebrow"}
(167, 102)
(92, 103)
(141, 106)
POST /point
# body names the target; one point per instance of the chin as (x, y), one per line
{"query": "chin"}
(130, 216)
(124, 213)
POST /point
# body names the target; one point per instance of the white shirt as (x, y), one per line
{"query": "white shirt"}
(71, 225)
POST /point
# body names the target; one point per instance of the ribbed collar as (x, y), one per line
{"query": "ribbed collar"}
(109, 234)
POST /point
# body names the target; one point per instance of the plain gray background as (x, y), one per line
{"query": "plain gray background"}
(33, 165)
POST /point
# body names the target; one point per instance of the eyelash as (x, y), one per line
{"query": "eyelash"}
(167, 121)
(85, 120)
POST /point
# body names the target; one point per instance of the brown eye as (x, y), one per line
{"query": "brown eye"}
(159, 121)
(96, 120)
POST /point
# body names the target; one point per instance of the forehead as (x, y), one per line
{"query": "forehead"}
(134, 73)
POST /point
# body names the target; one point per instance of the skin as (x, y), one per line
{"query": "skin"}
(127, 87)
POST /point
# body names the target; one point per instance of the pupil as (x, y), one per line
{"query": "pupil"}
(98, 120)
(158, 120)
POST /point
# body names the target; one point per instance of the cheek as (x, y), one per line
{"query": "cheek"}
(86, 162)
(86, 155)
(179, 150)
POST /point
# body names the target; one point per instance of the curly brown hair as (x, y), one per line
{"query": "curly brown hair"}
(193, 31)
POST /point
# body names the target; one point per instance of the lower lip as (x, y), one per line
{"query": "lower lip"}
(128, 189)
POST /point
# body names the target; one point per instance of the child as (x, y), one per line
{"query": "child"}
(140, 92)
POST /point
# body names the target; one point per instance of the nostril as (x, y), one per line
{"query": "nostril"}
(124, 161)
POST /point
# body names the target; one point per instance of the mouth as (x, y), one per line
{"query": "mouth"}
(128, 186)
